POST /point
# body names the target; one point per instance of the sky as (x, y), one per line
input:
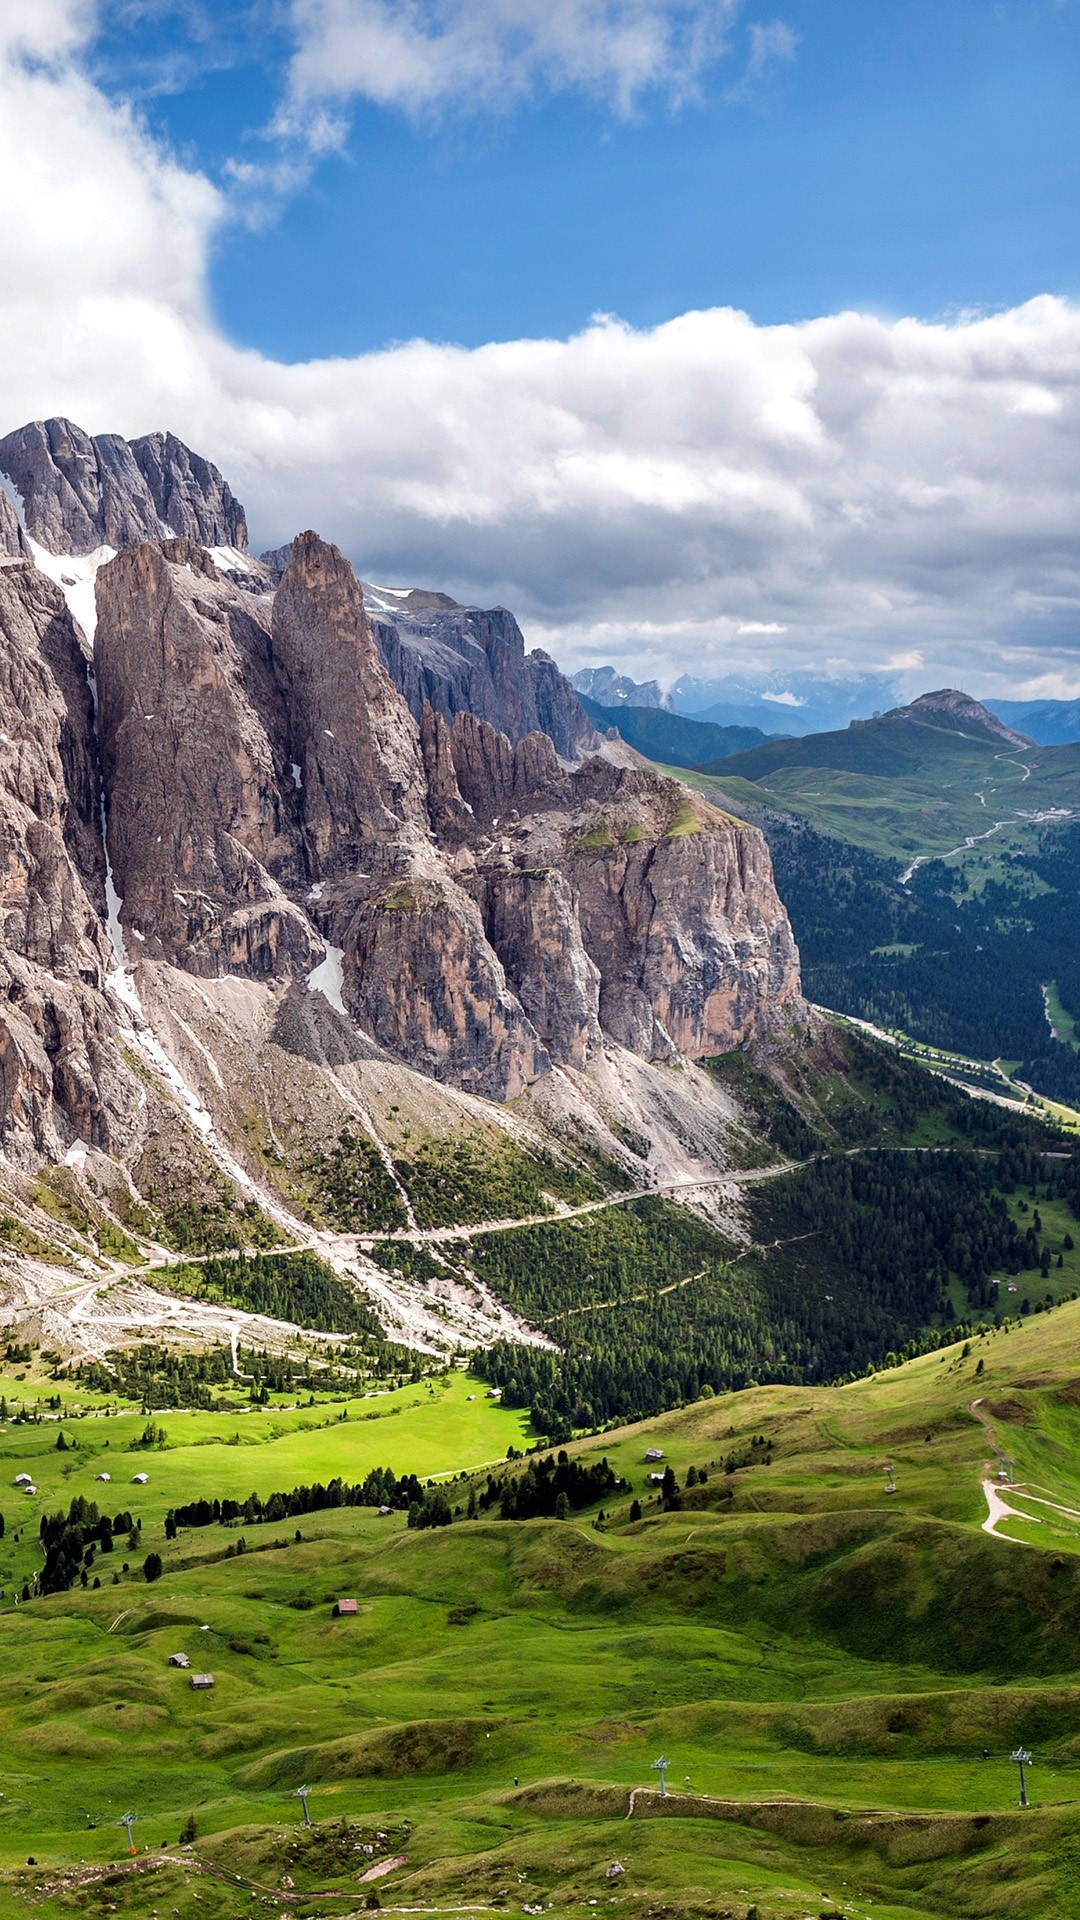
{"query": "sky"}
(721, 337)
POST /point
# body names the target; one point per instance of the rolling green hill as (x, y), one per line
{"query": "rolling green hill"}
(824, 1664)
(913, 784)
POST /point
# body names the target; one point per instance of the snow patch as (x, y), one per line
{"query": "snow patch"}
(298, 779)
(384, 599)
(316, 892)
(75, 574)
(230, 559)
(328, 978)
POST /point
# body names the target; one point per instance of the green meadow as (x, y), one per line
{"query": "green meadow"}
(430, 1428)
(823, 1663)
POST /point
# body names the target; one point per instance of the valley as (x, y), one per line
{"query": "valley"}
(929, 867)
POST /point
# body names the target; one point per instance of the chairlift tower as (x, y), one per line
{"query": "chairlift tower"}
(127, 1821)
(890, 1482)
(661, 1766)
(1023, 1759)
(301, 1794)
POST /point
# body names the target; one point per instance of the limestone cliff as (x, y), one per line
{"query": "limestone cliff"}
(240, 794)
(79, 493)
(61, 1075)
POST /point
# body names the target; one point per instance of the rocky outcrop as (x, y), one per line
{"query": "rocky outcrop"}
(355, 746)
(465, 660)
(496, 912)
(200, 819)
(425, 981)
(190, 497)
(13, 541)
(533, 920)
(691, 942)
(952, 708)
(673, 904)
(79, 493)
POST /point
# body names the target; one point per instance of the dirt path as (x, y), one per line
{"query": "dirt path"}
(631, 1299)
(998, 1509)
(436, 1236)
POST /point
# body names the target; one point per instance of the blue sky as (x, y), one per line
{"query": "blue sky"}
(743, 336)
(908, 156)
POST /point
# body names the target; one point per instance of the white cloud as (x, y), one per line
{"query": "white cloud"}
(771, 45)
(906, 662)
(45, 29)
(707, 495)
(784, 699)
(420, 54)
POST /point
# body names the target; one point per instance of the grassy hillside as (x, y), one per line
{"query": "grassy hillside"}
(909, 784)
(824, 1662)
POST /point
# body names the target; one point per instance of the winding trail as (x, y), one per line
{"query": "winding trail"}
(999, 1509)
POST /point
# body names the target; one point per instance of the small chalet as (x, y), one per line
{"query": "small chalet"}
(654, 1453)
(179, 1660)
(139, 1479)
(202, 1681)
(345, 1606)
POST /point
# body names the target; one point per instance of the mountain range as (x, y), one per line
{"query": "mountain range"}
(929, 861)
(281, 870)
(670, 737)
(797, 704)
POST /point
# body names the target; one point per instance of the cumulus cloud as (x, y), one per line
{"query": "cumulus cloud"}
(422, 54)
(707, 495)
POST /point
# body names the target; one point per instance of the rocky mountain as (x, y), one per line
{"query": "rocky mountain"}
(610, 688)
(470, 660)
(459, 659)
(78, 493)
(951, 708)
(253, 894)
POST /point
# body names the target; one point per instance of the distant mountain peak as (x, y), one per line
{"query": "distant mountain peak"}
(964, 713)
(612, 689)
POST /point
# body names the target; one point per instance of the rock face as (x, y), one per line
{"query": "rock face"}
(80, 493)
(61, 1075)
(356, 747)
(468, 660)
(199, 816)
(13, 541)
(464, 660)
(189, 494)
(272, 801)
